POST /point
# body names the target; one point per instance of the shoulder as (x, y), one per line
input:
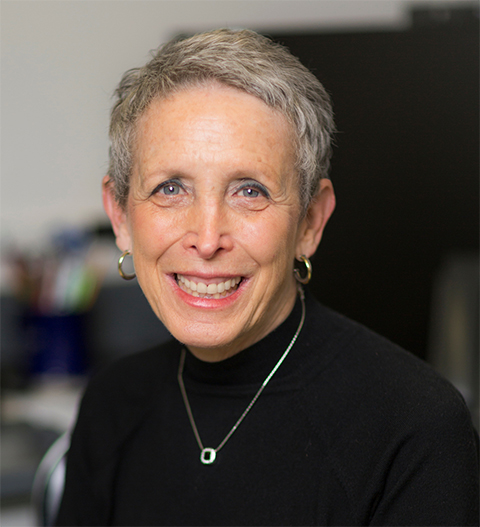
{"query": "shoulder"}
(355, 361)
(390, 424)
(364, 386)
(132, 380)
(119, 396)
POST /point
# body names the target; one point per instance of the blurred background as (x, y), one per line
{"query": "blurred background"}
(399, 255)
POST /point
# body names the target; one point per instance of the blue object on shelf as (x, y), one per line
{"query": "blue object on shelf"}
(56, 344)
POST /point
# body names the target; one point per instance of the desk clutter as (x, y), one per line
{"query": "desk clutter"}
(55, 288)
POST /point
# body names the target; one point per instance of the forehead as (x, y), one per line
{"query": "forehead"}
(213, 118)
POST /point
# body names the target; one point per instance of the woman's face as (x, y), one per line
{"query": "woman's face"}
(213, 218)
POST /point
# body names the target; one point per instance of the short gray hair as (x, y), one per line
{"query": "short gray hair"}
(243, 60)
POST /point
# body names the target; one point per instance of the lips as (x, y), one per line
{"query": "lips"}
(215, 288)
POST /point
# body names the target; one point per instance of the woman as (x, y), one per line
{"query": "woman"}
(265, 408)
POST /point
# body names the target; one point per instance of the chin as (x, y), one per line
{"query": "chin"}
(198, 336)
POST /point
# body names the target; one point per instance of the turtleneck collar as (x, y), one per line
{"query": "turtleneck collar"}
(250, 366)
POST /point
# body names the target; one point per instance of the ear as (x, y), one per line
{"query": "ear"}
(312, 226)
(117, 215)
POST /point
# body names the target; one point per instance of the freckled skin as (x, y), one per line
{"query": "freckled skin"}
(207, 146)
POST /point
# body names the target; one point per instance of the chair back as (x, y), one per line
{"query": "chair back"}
(49, 482)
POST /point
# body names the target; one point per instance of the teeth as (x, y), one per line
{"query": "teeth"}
(211, 290)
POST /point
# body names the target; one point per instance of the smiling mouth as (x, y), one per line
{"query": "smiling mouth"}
(212, 290)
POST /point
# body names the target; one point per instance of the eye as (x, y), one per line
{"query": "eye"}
(168, 188)
(253, 189)
(249, 192)
(171, 189)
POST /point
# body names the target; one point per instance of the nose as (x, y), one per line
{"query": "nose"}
(208, 232)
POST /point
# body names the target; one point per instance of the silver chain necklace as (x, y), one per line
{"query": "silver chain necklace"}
(208, 455)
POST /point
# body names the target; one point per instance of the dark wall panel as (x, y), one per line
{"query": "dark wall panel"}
(405, 169)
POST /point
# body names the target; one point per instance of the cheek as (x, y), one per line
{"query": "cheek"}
(150, 233)
(271, 243)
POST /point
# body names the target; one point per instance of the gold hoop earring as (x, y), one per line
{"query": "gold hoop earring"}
(125, 276)
(308, 266)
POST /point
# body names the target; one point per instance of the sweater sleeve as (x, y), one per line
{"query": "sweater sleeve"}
(433, 476)
(115, 402)
(86, 482)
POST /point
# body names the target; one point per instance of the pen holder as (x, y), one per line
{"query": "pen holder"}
(56, 344)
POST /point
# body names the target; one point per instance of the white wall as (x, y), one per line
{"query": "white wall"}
(62, 59)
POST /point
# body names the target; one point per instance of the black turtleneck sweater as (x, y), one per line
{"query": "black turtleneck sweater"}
(351, 430)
